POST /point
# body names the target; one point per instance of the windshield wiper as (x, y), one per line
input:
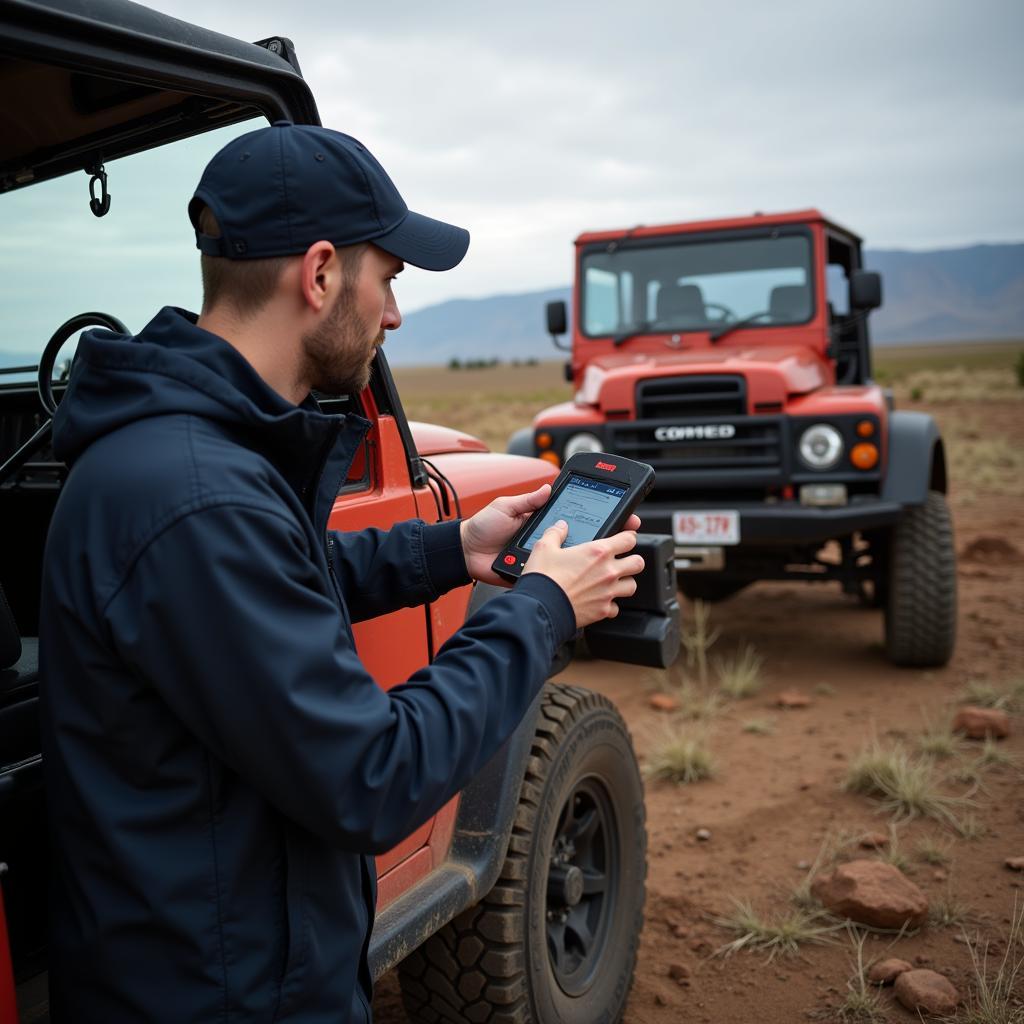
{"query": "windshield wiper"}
(728, 329)
(641, 328)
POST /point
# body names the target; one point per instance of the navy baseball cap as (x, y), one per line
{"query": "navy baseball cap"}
(277, 190)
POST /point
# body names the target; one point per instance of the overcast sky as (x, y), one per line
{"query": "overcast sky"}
(530, 122)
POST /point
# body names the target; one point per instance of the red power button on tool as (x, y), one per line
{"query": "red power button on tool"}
(510, 559)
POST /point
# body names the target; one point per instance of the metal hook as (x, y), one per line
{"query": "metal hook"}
(100, 207)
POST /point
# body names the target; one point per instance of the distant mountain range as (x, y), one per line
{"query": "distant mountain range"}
(974, 293)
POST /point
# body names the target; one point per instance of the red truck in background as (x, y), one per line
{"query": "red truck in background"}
(734, 357)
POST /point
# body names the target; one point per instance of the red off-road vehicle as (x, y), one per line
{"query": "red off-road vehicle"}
(522, 899)
(733, 356)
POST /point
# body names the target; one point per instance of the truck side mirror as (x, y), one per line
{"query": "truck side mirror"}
(558, 320)
(865, 289)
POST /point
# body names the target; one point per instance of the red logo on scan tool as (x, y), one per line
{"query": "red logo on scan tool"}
(510, 559)
(605, 465)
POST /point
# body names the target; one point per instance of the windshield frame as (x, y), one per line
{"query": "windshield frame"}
(648, 242)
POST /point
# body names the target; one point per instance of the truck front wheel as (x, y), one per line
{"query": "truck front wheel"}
(920, 610)
(556, 938)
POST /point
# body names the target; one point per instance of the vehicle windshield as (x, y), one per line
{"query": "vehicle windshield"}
(706, 285)
(57, 259)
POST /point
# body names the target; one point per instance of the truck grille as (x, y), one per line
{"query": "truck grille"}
(752, 457)
(697, 395)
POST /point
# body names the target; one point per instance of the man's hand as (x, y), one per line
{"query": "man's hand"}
(486, 534)
(593, 575)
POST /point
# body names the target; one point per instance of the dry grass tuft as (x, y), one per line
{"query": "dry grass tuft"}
(698, 638)
(832, 849)
(970, 827)
(893, 853)
(1008, 698)
(825, 690)
(948, 911)
(697, 702)
(992, 756)
(759, 726)
(682, 757)
(739, 674)
(938, 740)
(905, 785)
(932, 851)
(862, 1004)
(996, 994)
(777, 935)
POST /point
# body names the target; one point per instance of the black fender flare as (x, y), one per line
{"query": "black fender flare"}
(521, 443)
(917, 459)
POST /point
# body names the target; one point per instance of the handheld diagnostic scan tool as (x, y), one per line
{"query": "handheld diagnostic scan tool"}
(595, 494)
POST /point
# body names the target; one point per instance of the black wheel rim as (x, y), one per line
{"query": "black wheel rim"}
(583, 872)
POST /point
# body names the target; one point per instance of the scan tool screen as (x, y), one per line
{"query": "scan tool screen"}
(584, 504)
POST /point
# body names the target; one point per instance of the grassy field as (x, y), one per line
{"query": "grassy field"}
(892, 362)
(489, 403)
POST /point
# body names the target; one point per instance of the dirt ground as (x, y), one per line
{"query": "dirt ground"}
(775, 800)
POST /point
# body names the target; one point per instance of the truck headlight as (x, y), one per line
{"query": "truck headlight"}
(582, 443)
(821, 446)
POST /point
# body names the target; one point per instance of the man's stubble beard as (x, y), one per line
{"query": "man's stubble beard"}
(338, 354)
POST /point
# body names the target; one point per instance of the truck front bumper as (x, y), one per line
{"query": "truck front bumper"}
(785, 522)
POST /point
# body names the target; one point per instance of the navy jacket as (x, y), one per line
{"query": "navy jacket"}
(219, 765)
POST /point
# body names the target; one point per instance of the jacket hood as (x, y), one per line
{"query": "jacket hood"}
(173, 366)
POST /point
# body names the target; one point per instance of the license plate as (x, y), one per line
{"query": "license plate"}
(706, 527)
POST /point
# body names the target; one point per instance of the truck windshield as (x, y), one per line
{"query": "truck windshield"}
(703, 285)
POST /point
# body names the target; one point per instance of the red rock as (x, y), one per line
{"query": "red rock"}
(928, 991)
(873, 893)
(874, 840)
(885, 972)
(977, 723)
(793, 699)
(663, 702)
(1015, 863)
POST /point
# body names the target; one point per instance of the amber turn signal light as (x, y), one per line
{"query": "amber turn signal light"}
(551, 457)
(865, 428)
(543, 440)
(864, 456)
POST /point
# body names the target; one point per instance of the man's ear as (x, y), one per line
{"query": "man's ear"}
(319, 275)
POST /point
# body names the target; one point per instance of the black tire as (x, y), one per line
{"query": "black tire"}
(920, 613)
(511, 959)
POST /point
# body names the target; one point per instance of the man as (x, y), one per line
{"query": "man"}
(220, 766)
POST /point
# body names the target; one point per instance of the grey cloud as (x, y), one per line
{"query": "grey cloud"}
(532, 122)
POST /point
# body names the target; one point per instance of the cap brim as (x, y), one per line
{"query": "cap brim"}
(426, 243)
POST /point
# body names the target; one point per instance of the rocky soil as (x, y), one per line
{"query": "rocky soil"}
(775, 805)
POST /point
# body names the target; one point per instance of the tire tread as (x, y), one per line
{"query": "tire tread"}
(920, 616)
(492, 988)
